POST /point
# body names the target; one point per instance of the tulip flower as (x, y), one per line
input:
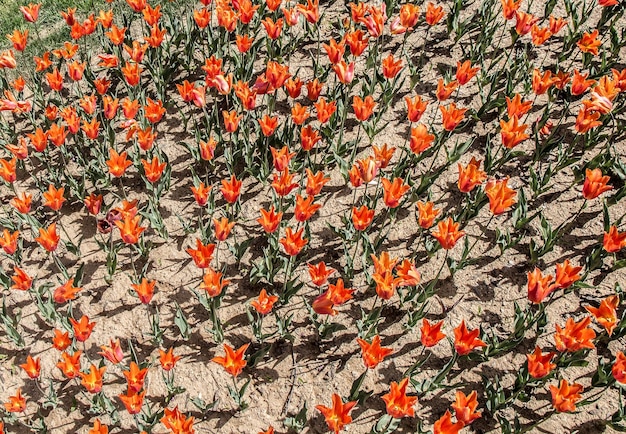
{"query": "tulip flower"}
(398, 403)
(339, 415)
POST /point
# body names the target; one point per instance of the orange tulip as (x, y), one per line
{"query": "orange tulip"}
(70, 364)
(201, 193)
(447, 233)
(325, 109)
(373, 353)
(268, 125)
(105, 18)
(177, 422)
(465, 407)
(344, 71)
(590, 43)
(264, 303)
(357, 41)
(299, 114)
(270, 220)
(98, 428)
(281, 158)
(32, 367)
(132, 73)
(167, 359)
(539, 34)
(586, 120)
(118, 163)
(82, 328)
(363, 108)
(244, 43)
(133, 401)
(575, 336)
(7, 59)
(426, 214)
(580, 84)
(144, 290)
(93, 203)
(207, 149)
(452, 116)
(231, 189)
(383, 155)
(314, 89)
(18, 39)
(606, 314)
(315, 182)
(135, 377)
(524, 22)
(213, 282)
(8, 241)
(509, 7)
(444, 425)
(619, 368)
(565, 396)
(420, 139)
(539, 286)
(407, 274)
(465, 340)
(556, 24)
(515, 106)
(222, 228)
(39, 139)
(362, 217)
(415, 108)
(156, 36)
(65, 292)
(398, 403)
(57, 133)
(445, 90)
(434, 14)
(202, 255)
(539, 364)
(566, 274)
(309, 137)
(391, 66)
(512, 133)
(431, 333)
(48, 238)
(61, 340)
(541, 83)
(30, 12)
(393, 191)
(93, 380)
(8, 170)
(21, 280)
(319, 273)
(305, 208)
(465, 72)
(19, 151)
(595, 184)
(22, 203)
(130, 230)
(334, 50)
(233, 362)
(500, 195)
(16, 403)
(385, 284)
(470, 176)
(293, 241)
(339, 415)
(614, 241)
(53, 198)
